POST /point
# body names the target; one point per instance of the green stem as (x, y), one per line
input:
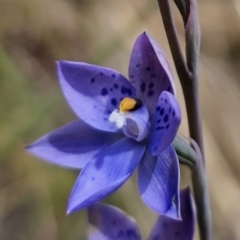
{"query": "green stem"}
(201, 193)
(191, 97)
(183, 149)
(171, 32)
(185, 161)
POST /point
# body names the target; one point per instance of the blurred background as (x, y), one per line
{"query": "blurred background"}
(36, 33)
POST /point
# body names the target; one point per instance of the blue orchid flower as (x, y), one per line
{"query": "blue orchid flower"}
(123, 124)
(106, 222)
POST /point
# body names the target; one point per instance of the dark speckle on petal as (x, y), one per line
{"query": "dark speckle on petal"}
(165, 119)
(93, 178)
(113, 75)
(167, 126)
(153, 75)
(116, 86)
(92, 80)
(173, 114)
(123, 90)
(101, 73)
(177, 233)
(150, 93)
(159, 120)
(114, 102)
(104, 92)
(132, 233)
(159, 128)
(120, 233)
(148, 68)
(143, 86)
(162, 111)
(169, 89)
(166, 101)
(129, 91)
(131, 76)
(158, 108)
(111, 89)
(151, 85)
(170, 110)
(138, 65)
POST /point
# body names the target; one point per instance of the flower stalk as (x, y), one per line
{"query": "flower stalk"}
(188, 74)
(200, 188)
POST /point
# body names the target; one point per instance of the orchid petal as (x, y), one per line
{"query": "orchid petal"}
(72, 145)
(149, 71)
(105, 173)
(93, 92)
(170, 229)
(158, 179)
(137, 124)
(107, 222)
(166, 121)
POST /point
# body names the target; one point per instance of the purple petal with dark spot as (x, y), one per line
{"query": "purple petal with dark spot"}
(105, 173)
(107, 222)
(165, 124)
(149, 71)
(72, 145)
(92, 93)
(158, 179)
(170, 229)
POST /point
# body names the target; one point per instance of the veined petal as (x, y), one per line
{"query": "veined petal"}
(170, 229)
(107, 222)
(105, 173)
(93, 92)
(72, 145)
(137, 124)
(149, 71)
(158, 179)
(165, 123)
